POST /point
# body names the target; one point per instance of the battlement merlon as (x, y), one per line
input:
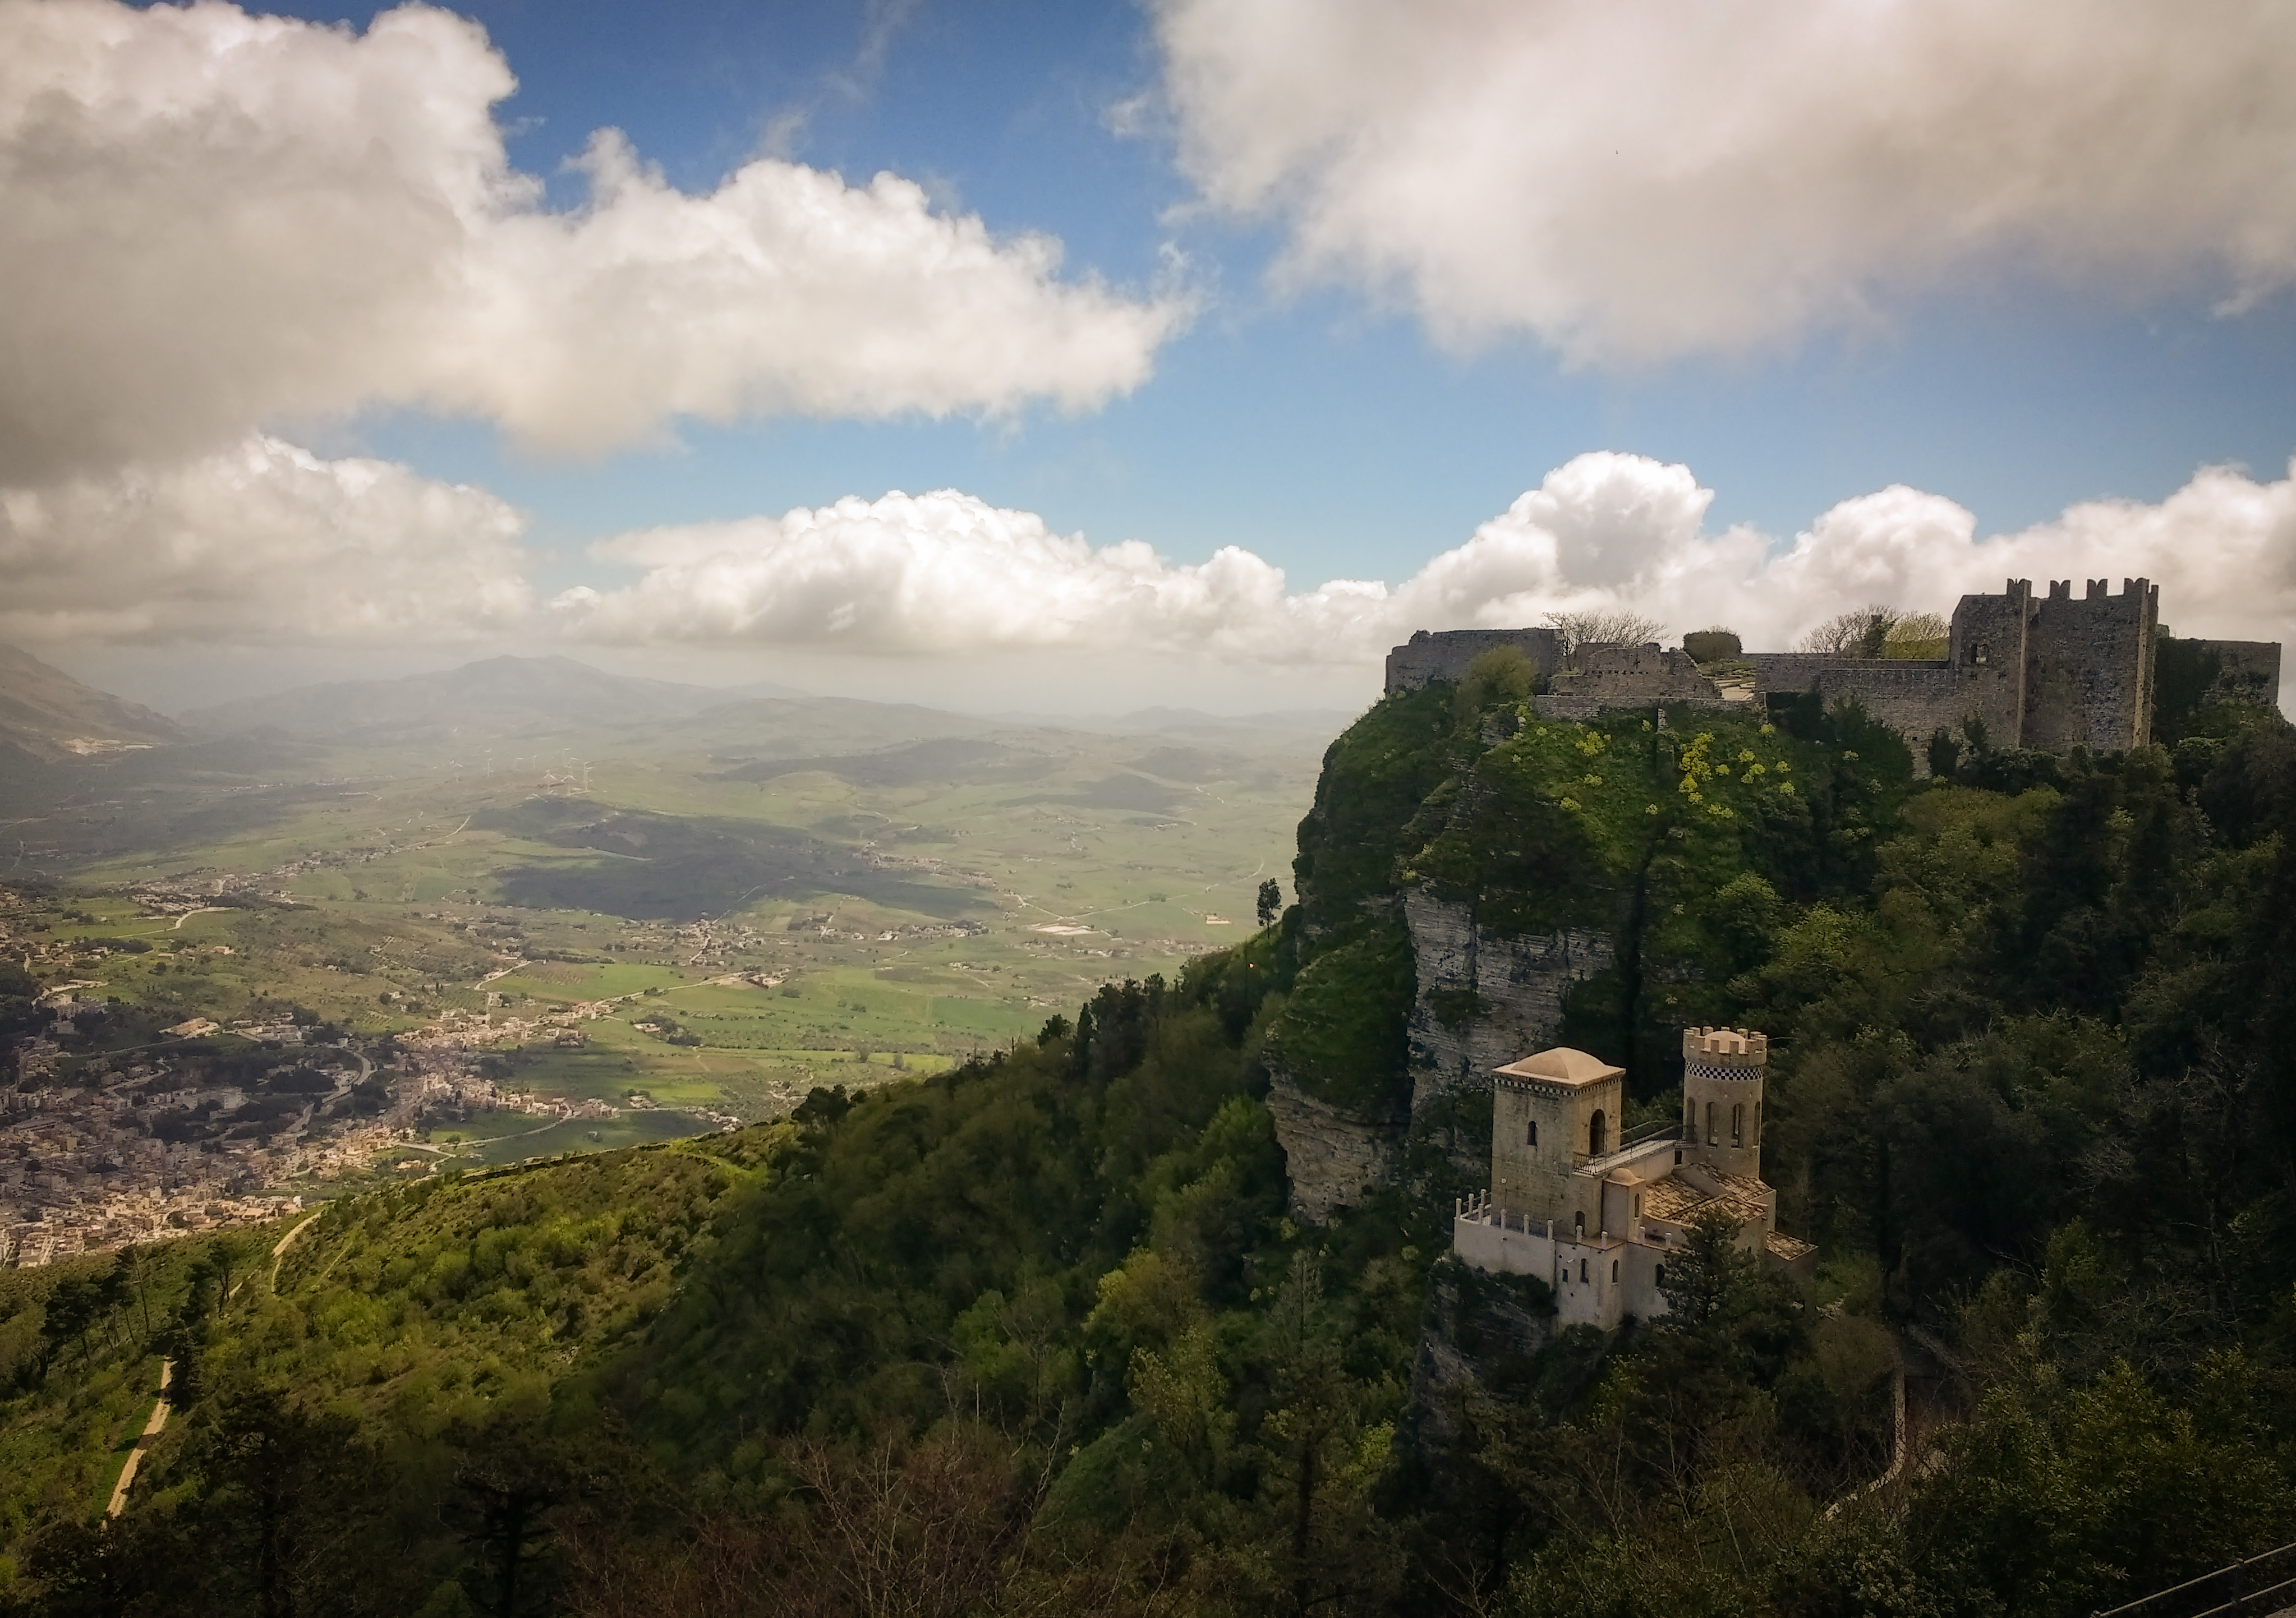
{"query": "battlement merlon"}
(1725, 1048)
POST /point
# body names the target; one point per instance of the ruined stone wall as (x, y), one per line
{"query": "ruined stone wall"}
(2089, 667)
(1631, 674)
(1430, 656)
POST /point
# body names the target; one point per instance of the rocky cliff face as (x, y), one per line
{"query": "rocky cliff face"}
(1484, 999)
(1331, 1155)
(1474, 1323)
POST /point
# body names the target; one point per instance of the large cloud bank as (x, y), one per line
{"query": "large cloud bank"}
(218, 221)
(948, 573)
(267, 544)
(1638, 180)
(261, 545)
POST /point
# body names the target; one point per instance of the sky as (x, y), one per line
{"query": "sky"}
(1088, 356)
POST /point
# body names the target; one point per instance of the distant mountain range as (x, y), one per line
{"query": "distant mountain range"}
(47, 715)
(498, 697)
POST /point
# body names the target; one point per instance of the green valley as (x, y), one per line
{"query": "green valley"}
(1081, 1321)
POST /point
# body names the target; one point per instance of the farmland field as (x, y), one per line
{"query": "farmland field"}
(729, 909)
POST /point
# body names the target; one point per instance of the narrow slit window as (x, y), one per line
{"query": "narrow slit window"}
(1530, 1136)
(1738, 1126)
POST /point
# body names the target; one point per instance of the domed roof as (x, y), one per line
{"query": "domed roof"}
(1562, 1065)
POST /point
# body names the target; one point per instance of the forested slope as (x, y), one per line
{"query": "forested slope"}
(1037, 1335)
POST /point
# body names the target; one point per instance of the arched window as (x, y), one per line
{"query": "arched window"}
(1582, 1269)
(1614, 1272)
(1660, 1270)
(1531, 1139)
(1579, 1225)
(1711, 1137)
(1595, 1133)
(1638, 1204)
(1738, 1126)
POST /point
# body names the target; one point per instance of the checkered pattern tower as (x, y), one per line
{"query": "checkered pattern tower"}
(1722, 1095)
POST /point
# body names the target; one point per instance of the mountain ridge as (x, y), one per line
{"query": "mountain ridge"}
(48, 715)
(499, 696)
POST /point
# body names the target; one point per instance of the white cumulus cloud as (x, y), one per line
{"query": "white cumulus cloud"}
(1639, 180)
(269, 543)
(260, 544)
(946, 573)
(217, 220)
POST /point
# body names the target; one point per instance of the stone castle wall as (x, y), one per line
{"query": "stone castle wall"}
(1632, 674)
(1917, 699)
(1429, 657)
(2247, 671)
(1788, 671)
(2050, 672)
(2088, 668)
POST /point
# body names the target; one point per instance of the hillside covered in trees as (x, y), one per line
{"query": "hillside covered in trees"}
(1043, 1334)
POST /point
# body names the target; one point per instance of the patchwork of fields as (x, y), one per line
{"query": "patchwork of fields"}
(682, 922)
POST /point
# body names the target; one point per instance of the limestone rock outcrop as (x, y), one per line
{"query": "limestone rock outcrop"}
(1331, 1155)
(1484, 999)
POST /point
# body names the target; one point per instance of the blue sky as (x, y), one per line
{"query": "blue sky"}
(1412, 294)
(1322, 430)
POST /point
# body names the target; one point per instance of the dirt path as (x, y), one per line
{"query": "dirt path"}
(118, 1501)
(280, 1252)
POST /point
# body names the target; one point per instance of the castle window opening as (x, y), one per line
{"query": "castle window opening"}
(1582, 1269)
(1531, 1139)
(1659, 1274)
(1595, 1132)
(1712, 1139)
(1614, 1270)
(1738, 1126)
(1638, 1204)
(1578, 1226)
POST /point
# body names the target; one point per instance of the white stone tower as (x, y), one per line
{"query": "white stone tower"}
(1722, 1095)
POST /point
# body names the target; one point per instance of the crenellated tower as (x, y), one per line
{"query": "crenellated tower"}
(1722, 1095)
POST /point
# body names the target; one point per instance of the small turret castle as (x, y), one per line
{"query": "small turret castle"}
(1597, 1212)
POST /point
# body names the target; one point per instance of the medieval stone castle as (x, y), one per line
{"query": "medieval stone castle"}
(2050, 672)
(1597, 1213)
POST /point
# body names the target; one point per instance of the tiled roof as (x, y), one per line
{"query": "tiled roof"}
(1677, 1201)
